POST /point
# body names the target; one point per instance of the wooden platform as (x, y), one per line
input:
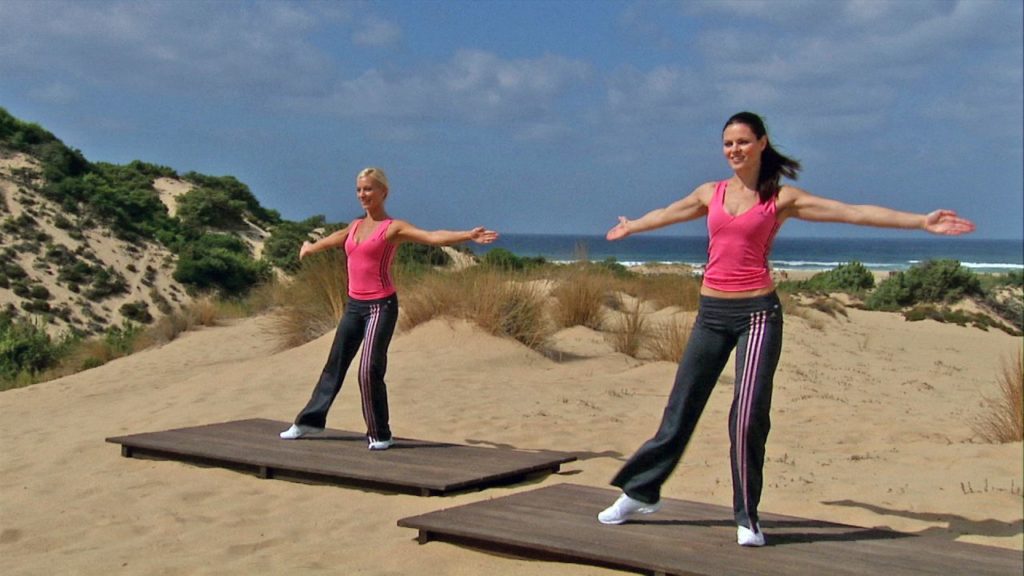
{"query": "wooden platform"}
(341, 457)
(688, 538)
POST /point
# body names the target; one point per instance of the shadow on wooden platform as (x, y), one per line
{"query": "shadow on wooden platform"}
(688, 538)
(341, 457)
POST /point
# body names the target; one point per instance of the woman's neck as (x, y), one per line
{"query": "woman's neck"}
(748, 178)
(377, 215)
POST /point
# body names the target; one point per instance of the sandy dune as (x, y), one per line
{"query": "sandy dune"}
(872, 426)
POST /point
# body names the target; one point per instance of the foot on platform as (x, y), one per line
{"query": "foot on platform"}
(747, 537)
(298, 431)
(624, 508)
(380, 444)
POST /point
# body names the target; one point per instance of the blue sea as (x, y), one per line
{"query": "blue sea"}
(883, 254)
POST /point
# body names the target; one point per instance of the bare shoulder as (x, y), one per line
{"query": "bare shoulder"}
(398, 229)
(704, 192)
(788, 195)
(397, 225)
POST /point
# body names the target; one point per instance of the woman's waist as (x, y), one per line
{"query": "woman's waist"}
(737, 294)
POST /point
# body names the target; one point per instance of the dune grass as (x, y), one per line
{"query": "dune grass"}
(668, 340)
(501, 302)
(310, 304)
(1003, 420)
(664, 290)
(631, 333)
(580, 295)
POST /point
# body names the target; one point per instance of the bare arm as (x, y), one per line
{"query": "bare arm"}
(796, 203)
(335, 239)
(402, 231)
(691, 207)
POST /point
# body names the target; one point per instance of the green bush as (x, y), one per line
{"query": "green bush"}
(282, 247)
(228, 189)
(137, 311)
(202, 208)
(1012, 279)
(930, 281)
(25, 348)
(220, 262)
(852, 277)
(106, 282)
(502, 259)
(121, 340)
(411, 255)
(612, 265)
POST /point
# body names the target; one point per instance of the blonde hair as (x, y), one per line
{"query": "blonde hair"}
(374, 174)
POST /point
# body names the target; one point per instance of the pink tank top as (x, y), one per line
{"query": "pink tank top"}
(369, 263)
(738, 246)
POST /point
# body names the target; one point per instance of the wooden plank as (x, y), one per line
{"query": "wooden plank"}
(690, 538)
(340, 456)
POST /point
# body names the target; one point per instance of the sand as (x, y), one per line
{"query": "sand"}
(872, 427)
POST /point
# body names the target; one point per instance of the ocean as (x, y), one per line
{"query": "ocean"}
(882, 254)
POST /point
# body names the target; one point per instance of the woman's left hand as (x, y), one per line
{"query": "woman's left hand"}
(947, 223)
(481, 235)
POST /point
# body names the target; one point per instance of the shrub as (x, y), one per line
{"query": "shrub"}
(282, 247)
(39, 292)
(612, 265)
(137, 312)
(25, 349)
(853, 277)
(502, 259)
(221, 262)
(411, 255)
(106, 282)
(930, 281)
(202, 208)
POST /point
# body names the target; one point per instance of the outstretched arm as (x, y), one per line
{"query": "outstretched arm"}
(693, 206)
(335, 239)
(402, 231)
(805, 206)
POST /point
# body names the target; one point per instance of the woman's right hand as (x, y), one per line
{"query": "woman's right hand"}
(305, 249)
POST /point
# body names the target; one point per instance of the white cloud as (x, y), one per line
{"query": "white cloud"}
(473, 87)
(211, 48)
(376, 31)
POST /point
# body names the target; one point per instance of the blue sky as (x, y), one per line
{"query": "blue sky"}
(536, 116)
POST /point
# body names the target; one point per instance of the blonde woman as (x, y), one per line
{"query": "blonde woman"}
(371, 312)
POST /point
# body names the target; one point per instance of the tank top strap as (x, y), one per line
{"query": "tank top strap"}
(382, 229)
(718, 199)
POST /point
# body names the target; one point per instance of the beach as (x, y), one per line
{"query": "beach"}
(872, 426)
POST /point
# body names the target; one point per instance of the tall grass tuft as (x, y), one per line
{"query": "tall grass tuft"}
(668, 340)
(501, 302)
(1004, 421)
(505, 306)
(433, 295)
(631, 333)
(664, 290)
(313, 302)
(580, 297)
